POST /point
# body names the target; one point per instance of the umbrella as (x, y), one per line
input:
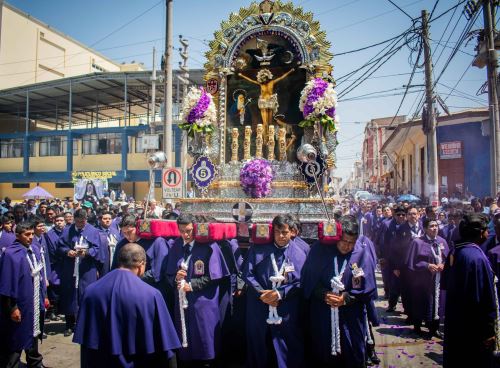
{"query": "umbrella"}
(37, 193)
(408, 197)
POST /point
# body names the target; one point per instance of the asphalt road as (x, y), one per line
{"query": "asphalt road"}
(396, 343)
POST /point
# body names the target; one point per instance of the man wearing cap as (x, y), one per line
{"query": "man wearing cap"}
(78, 248)
(470, 309)
(196, 271)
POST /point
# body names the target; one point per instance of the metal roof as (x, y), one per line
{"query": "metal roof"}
(94, 97)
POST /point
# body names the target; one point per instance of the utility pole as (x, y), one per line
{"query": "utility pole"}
(185, 82)
(167, 83)
(491, 66)
(430, 131)
(153, 95)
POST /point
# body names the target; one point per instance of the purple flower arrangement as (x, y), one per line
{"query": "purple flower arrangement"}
(318, 103)
(198, 112)
(256, 177)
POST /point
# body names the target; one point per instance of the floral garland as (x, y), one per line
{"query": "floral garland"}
(198, 112)
(256, 177)
(318, 102)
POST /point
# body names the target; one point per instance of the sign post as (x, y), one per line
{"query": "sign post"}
(171, 183)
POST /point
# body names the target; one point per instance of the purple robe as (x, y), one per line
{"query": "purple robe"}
(52, 238)
(286, 337)
(124, 322)
(202, 315)
(69, 295)
(494, 258)
(302, 244)
(470, 307)
(41, 243)
(423, 290)
(104, 249)
(16, 283)
(6, 239)
(317, 273)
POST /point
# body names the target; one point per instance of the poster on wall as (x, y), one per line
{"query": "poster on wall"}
(91, 186)
(450, 150)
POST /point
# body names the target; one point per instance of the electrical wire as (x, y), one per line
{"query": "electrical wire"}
(400, 9)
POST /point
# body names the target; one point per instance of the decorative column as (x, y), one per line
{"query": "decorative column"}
(259, 141)
(234, 145)
(271, 143)
(246, 144)
(282, 144)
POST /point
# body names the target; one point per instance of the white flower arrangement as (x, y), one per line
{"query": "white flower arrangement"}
(198, 111)
(318, 102)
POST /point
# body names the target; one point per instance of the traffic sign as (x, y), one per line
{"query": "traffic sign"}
(171, 182)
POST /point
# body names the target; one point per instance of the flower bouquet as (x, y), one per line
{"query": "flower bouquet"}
(198, 112)
(256, 177)
(317, 103)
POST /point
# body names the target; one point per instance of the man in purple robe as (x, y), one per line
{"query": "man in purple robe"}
(110, 236)
(378, 240)
(197, 270)
(7, 236)
(22, 300)
(157, 251)
(339, 280)
(391, 241)
(450, 231)
(78, 249)
(398, 255)
(272, 274)
(52, 238)
(123, 322)
(426, 262)
(494, 252)
(470, 310)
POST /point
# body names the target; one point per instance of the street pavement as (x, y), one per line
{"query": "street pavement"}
(396, 343)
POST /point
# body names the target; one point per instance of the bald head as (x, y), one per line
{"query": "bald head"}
(131, 256)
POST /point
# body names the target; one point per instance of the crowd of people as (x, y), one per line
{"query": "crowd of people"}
(133, 301)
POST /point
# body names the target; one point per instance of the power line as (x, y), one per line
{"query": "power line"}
(370, 46)
(402, 11)
(337, 8)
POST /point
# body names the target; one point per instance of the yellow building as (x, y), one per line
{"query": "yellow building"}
(66, 108)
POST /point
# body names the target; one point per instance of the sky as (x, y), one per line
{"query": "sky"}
(127, 30)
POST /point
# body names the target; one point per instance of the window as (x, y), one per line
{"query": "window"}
(55, 146)
(95, 144)
(403, 171)
(21, 185)
(65, 185)
(10, 148)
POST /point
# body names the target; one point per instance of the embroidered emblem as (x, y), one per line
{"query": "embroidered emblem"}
(202, 229)
(357, 276)
(262, 231)
(199, 268)
(329, 229)
(145, 226)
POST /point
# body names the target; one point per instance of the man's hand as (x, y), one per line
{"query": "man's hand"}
(270, 297)
(181, 275)
(440, 267)
(16, 315)
(72, 254)
(433, 268)
(46, 303)
(334, 300)
(397, 273)
(186, 287)
(82, 253)
(490, 343)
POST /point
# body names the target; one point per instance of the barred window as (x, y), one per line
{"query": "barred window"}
(11, 148)
(55, 146)
(95, 144)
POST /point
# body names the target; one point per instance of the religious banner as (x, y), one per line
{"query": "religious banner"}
(203, 172)
(313, 169)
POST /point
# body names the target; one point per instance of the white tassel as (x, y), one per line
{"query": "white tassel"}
(183, 303)
(276, 280)
(337, 288)
(35, 268)
(437, 281)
